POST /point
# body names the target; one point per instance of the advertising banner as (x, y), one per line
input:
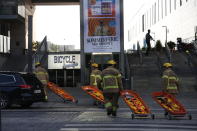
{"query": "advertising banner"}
(64, 61)
(101, 26)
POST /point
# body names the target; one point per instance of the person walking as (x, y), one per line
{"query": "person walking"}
(95, 76)
(148, 39)
(112, 85)
(95, 80)
(43, 76)
(170, 80)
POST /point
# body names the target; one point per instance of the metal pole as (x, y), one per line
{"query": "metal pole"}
(122, 63)
(82, 54)
(65, 78)
(132, 76)
(0, 114)
(154, 38)
(132, 83)
(30, 30)
(73, 77)
(166, 35)
(56, 77)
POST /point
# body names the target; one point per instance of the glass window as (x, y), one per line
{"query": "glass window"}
(158, 10)
(150, 18)
(5, 38)
(5, 44)
(31, 80)
(8, 44)
(1, 43)
(170, 6)
(147, 16)
(174, 4)
(165, 7)
(162, 9)
(155, 12)
(142, 23)
(7, 79)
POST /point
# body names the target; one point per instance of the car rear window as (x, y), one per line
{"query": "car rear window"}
(31, 79)
(10, 79)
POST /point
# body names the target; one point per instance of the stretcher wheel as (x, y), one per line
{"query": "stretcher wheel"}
(132, 116)
(189, 116)
(76, 101)
(153, 116)
(166, 113)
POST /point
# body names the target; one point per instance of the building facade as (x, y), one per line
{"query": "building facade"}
(14, 28)
(177, 18)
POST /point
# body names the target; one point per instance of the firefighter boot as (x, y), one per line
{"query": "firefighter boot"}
(114, 109)
(109, 112)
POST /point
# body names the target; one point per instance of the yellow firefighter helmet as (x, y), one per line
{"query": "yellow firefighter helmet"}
(37, 63)
(112, 62)
(94, 65)
(167, 65)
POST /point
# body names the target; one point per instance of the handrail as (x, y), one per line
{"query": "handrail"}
(140, 53)
(168, 53)
(159, 63)
(128, 79)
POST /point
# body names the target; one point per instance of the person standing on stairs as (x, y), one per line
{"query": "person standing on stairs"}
(148, 39)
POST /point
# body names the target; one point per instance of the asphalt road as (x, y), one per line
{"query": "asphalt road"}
(90, 119)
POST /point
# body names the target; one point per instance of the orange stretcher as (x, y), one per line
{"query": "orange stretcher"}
(171, 105)
(136, 104)
(94, 92)
(61, 93)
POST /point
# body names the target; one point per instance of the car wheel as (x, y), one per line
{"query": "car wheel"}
(4, 100)
(26, 104)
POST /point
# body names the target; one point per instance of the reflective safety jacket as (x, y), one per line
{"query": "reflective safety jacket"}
(42, 75)
(95, 78)
(112, 81)
(171, 81)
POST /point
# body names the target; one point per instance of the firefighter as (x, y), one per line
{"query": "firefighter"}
(95, 76)
(95, 79)
(112, 85)
(43, 76)
(170, 80)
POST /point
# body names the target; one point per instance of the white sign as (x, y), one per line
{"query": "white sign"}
(21, 10)
(101, 26)
(64, 61)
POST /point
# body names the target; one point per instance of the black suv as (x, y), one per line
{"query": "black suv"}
(20, 88)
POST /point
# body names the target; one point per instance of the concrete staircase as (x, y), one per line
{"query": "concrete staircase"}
(147, 77)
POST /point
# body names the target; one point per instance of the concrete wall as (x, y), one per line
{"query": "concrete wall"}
(19, 39)
(2, 60)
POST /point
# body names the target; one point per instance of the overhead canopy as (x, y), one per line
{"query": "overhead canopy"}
(55, 2)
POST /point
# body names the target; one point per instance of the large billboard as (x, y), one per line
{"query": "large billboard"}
(101, 26)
